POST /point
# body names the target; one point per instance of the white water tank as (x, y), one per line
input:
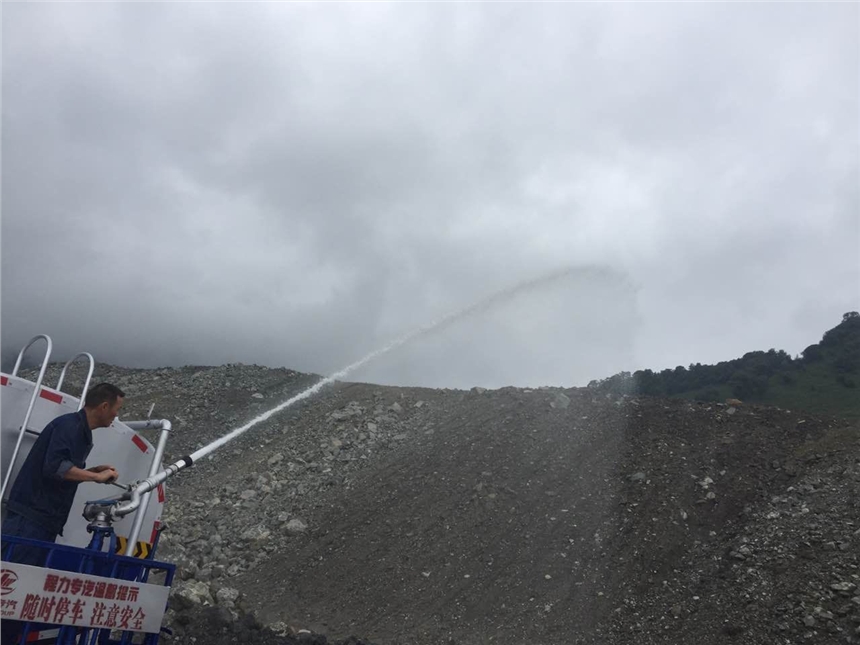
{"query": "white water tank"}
(118, 445)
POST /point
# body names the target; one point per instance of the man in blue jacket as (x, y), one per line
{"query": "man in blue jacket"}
(44, 490)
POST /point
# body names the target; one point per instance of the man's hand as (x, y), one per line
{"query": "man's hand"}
(99, 474)
(106, 475)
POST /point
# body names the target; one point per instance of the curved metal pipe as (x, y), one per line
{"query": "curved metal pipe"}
(27, 346)
(165, 426)
(132, 499)
(37, 386)
(89, 375)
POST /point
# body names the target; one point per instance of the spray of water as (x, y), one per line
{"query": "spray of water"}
(499, 297)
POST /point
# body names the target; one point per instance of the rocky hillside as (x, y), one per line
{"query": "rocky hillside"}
(412, 516)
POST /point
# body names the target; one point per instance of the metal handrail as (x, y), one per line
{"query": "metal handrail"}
(89, 375)
(27, 346)
(32, 402)
(165, 426)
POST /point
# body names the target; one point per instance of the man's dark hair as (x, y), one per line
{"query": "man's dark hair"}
(101, 393)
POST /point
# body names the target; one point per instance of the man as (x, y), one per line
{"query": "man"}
(44, 490)
(42, 495)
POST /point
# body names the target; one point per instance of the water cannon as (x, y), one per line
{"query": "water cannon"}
(102, 513)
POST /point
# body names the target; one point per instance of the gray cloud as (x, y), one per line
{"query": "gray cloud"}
(297, 184)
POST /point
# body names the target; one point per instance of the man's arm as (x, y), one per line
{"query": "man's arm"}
(75, 474)
(60, 450)
(64, 451)
(63, 458)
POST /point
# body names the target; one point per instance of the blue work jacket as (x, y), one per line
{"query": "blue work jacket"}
(40, 493)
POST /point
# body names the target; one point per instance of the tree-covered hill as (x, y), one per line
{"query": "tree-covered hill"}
(824, 378)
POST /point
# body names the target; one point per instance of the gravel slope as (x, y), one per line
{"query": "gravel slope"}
(549, 516)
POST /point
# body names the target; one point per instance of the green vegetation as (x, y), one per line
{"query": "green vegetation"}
(825, 378)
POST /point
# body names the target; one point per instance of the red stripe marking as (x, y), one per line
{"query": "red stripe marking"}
(160, 494)
(155, 526)
(4, 380)
(56, 398)
(138, 442)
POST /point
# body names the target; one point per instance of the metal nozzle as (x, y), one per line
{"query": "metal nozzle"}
(98, 513)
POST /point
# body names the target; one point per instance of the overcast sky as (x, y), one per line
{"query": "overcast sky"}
(297, 184)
